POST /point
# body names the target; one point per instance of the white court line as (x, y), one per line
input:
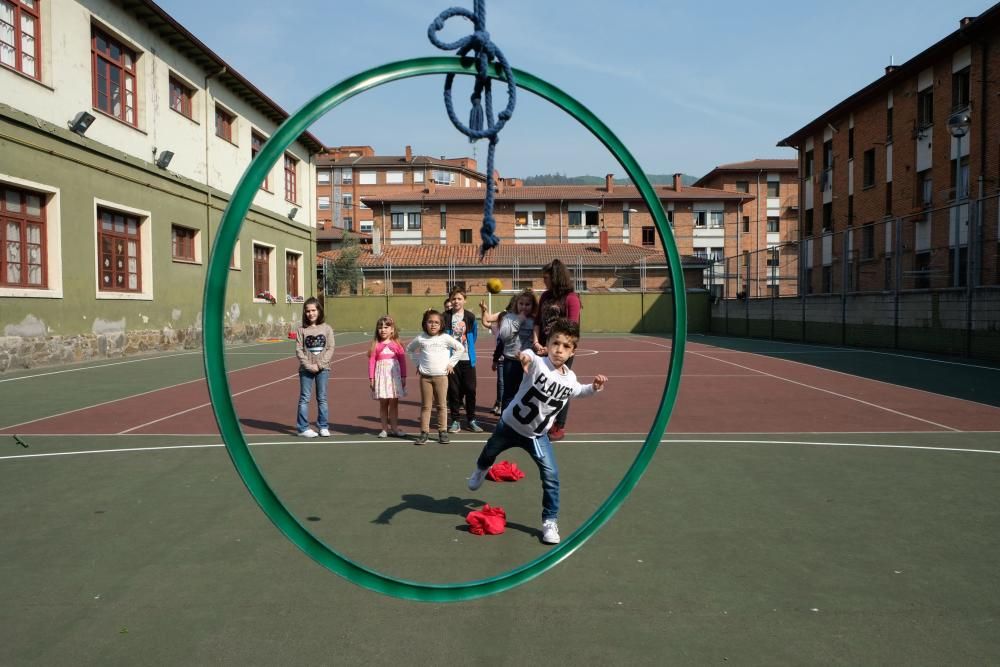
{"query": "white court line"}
(245, 391)
(825, 391)
(369, 441)
(151, 391)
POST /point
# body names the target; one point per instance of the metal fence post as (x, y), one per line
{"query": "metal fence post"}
(844, 249)
(897, 283)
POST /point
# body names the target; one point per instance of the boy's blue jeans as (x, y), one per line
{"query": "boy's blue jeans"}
(540, 448)
(306, 380)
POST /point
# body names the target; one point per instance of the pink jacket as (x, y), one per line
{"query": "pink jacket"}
(397, 350)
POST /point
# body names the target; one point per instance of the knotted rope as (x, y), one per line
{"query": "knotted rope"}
(485, 53)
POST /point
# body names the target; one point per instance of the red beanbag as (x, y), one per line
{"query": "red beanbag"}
(504, 471)
(487, 521)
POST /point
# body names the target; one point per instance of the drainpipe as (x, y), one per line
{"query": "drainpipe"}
(560, 221)
(208, 185)
(756, 232)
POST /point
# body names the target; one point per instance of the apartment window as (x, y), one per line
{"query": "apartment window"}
(700, 218)
(347, 200)
(20, 34)
(397, 221)
(114, 77)
(349, 223)
(575, 218)
(716, 219)
(868, 241)
(670, 219)
(393, 177)
(292, 274)
(827, 217)
(773, 223)
(400, 287)
(414, 221)
(323, 203)
(261, 269)
(626, 219)
(465, 236)
(418, 176)
(925, 108)
(322, 176)
(521, 219)
(868, 179)
(960, 89)
(827, 279)
(888, 124)
(443, 177)
(224, 122)
(925, 186)
(888, 198)
(347, 175)
(850, 143)
(256, 143)
(807, 223)
(743, 186)
(291, 181)
(119, 251)
(772, 257)
(963, 176)
(649, 235)
(182, 243)
(180, 97)
(367, 178)
(716, 254)
(774, 188)
(22, 238)
(962, 257)
(444, 220)
(746, 224)
(807, 168)
(922, 270)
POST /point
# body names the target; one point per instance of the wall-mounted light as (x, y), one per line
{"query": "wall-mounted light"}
(291, 214)
(81, 122)
(164, 158)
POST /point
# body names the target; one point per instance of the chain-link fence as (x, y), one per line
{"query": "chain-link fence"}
(928, 280)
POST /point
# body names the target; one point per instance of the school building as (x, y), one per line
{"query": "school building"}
(122, 137)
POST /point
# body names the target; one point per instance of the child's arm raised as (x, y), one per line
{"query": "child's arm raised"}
(487, 317)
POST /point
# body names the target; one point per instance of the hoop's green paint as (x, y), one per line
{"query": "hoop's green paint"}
(215, 369)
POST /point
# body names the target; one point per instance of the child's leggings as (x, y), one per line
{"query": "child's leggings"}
(433, 391)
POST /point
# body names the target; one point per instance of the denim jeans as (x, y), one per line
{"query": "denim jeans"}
(540, 448)
(513, 373)
(306, 380)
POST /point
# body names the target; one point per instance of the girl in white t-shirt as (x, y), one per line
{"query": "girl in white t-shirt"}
(435, 355)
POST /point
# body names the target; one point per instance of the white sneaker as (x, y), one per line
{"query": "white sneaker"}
(550, 531)
(308, 433)
(476, 480)
(383, 434)
(324, 432)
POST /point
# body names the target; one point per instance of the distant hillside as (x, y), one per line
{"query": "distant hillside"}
(562, 179)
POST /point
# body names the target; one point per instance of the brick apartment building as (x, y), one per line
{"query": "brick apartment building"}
(346, 175)
(605, 234)
(879, 172)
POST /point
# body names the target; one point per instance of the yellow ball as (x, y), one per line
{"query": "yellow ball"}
(494, 285)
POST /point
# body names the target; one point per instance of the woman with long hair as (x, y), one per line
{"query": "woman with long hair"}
(558, 301)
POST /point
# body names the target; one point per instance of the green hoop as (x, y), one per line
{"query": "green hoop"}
(214, 357)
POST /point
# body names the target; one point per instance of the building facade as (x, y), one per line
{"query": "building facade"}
(900, 180)
(121, 139)
(767, 227)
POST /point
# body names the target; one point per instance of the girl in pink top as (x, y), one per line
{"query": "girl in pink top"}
(387, 374)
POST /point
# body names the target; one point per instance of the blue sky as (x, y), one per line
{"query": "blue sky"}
(686, 85)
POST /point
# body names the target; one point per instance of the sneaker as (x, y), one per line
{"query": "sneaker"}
(455, 427)
(421, 439)
(557, 432)
(382, 434)
(308, 433)
(324, 432)
(496, 409)
(443, 437)
(474, 427)
(398, 433)
(476, 481)
(550, 529)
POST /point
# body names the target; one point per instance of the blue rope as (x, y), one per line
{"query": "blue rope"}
(485, 52)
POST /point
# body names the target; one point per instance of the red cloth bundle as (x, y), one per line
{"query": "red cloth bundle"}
(487, 521)
(504, 471)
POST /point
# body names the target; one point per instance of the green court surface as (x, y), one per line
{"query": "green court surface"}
(752, 549)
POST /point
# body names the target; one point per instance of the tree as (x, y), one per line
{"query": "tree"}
(344, 271)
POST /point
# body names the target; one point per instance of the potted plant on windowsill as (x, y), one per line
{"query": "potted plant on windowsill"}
(267, 296)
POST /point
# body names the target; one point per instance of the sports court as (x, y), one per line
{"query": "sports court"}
(809, 504)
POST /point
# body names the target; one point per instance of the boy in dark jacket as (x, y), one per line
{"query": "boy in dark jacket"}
(461, 325)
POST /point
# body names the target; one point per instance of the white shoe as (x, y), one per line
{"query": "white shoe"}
(550, 531)
(308, 433)
(476, 480)
(383, 434)
(398, 433)
(324, 432)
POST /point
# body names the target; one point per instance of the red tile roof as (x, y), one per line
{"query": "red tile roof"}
(537, 193)
(758, 164)
(527, 255)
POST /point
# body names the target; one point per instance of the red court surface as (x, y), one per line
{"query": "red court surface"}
(722, 391)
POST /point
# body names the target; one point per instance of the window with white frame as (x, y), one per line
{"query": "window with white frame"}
(347, 200)
(367, 178)
(418, 176)
(700, 218)
(346, 175)
(263, 272)
(23, 235)
(20, 33)
(322, 176)
(529, 219)
(293, 274)
(323, 203)
(114, 77)
(124, 252)
(394, 177)
(443, 177)
(715, 219)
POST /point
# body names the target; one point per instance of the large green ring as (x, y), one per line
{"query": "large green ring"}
(215, 365)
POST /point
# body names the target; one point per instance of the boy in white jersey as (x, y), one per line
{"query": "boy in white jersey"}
(547, 385)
